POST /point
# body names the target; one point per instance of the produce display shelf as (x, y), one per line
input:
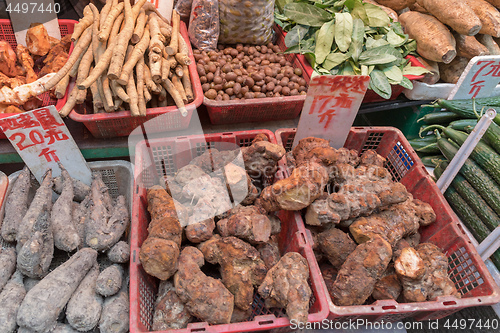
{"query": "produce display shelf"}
(466, 268)
(7, 33)
(259, 109)
(121, 123)
(159, 157)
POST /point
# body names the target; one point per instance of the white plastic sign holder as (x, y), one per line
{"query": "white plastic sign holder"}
(42, 140)
(331, 105)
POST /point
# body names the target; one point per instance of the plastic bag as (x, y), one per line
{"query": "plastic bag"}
(204, 24)
(246, 22)
(183, 7)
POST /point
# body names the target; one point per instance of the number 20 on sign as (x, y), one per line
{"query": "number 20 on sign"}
(42, 140)
(331, 105)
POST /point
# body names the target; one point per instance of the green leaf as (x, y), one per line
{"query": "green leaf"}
(358, 36)
(393, 73)
(294, 36)
(364, 70)
(346, 69)
(409, 47)
(350, 4)
(395, 39)
(396, 26)
(380, 56)
(414, 70)
(281, 4)
(380, 84)
(359, 12)
(306, 14)
(343, 30)
(406, 83)
(372, 43)
(376, 16)
(324, 41)
(334, 59)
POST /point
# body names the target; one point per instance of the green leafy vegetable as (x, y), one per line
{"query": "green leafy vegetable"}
(380, 84)
(393, 73)
(324, 41)
(376, 16)
(343, 30)
(334, 59)
(295, 35)
(396, 40)
(358, 33)
(378, 56)
(306, 14)
(406, 83)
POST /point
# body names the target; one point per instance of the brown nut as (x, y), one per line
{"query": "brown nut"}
(257, 77)
(285, 91)
(270, 86)
(282, 62)
(297, 71)
(240, 95)
(237, 88)
(225, 97)
(217, 80)
(280, 76)
(230, 91)
(294, 92)
(288, 63)
(251, 63)
(301, 82)
(222, 62)
(269, 79)
(294, 78)
(237, 71)
(256, 88)
(201, 70)
(239, 47)
(260, 95)
(248, 95)
(265, 62)
(210, 76)
(218, 87)
(263, 49)
(257, 60)
(291, 85)
(277, 89)
(245, 49)
(240, 79)
(203, 79)
(231, 76)
(218, 98)
(212, 68)
(268, 71)
(284, 81)
(228, 84)
(269, 94)
(227, 68)
(211, 94)
(302, 89)
(205, 87)
(249, 82)
(260, 83)
(233, 53)
(276, 49)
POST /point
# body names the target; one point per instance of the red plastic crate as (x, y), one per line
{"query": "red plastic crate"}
(370, 95)
(7, 33)
(259, 109)
(161, 157)
(466, 268)
(109, 125)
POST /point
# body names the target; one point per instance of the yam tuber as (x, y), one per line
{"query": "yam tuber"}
(336, 246)
(137, 53)
(8, 60)
(423, 272)
(269, 252)
(139, 27)
(24, 58)
(173, 46)
(360, 272)
(455, 13)
(160, 251)
(434, 41)
(394, 223)
(109, 281)
(119, 253)
(35, 256)
(66, 237)
(204, 297)
(157, 39)
(450, 73)
(16, 205)
(285, 285)
(469, 47)
(105, 30)
(43, 304)
(82, 25)
(488, 15)
(115, 313)
(37, 39)
(7, 264)
(249, 223)
(241, 267)
(490, 44)
(62, 87)
(41, 201)
(261, 158)
(169, 311)
(85, 305)
(388, 287)
(11, 297)
(432, 76)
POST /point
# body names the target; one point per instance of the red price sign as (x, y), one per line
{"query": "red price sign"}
(42, 139)
(479, 78)
(331, 105)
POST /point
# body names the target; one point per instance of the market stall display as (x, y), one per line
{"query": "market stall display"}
(72, 275)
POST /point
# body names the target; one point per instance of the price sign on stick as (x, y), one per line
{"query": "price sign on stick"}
(331, 105)
(42, 139)
(164, 7)
(479, 78)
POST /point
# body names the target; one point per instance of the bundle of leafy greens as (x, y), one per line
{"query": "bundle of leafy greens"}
(348, 37)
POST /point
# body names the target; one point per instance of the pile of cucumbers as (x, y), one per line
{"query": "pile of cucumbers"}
(474, 194)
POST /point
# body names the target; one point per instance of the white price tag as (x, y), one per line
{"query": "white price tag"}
(331, 105)
(42, 139)
(164, 7)
(479, 78)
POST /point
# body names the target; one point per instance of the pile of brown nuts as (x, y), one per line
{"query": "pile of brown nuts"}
(247, 71)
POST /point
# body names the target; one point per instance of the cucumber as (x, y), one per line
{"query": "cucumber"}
(423, 141)
(490, 219)
(465, 107)
(439, 117)
(463, 124)
(479, 179)
(433, 160)
(470, 219)
(430, 148)
(484, 155)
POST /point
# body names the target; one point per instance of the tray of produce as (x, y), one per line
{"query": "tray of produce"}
(355, 38)
(400, 250)
(138, 74)
(247, 83)
(474, 192)
(71, 251)
(244, 270)
(22, 65)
